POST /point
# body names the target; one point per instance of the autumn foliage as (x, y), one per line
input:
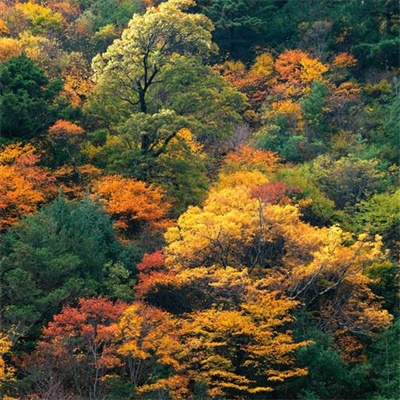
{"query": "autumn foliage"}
(23, 184)
(78, 347)
(199, 199)
(247, 228)
(131, 202)
(65, 129)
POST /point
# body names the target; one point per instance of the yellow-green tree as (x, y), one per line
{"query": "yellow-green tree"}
(131, 65)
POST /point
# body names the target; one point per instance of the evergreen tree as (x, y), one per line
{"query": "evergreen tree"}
(27, 99)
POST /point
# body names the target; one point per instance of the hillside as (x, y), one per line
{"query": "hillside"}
(199, 200)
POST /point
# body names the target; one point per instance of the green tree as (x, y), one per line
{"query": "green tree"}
(385, 364)
(27, 99)
(329, 376)
(55, 256)
(374, 32)
(316, 127)
(380, 214)
(131, 65)
(241, 25)
(348, 180)
(386, 137)
(210, 104)
(157, 66)
(318, 209)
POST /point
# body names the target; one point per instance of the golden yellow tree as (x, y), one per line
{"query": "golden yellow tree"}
(245, 351)
(322, 267)
(148, 340)
(6, 371)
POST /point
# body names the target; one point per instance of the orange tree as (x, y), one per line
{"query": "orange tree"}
(134, 204)
(76, 352)
(23, 184)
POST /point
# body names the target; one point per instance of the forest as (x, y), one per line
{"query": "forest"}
(199, 199)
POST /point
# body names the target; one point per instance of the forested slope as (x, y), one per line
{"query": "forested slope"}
(199, 200)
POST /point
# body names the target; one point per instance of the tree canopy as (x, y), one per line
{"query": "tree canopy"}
(199, 199)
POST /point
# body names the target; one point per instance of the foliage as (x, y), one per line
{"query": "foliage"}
(315, 207)
(385, 363)
(271, 166)
(211, 105)
(319, 266)
(23, 184)
(240, 26)
(27, 98)
(231, 327)
(380, 215)
(40, 18)
(329, 376)
(253, 81)
(9, 48)
(174, 160)
(236, 352)
(77, 348)
(150, 344)
(6, 371)
(349, 179)
(296, 71)
(131, 202)
(54, 256)
(128, 72)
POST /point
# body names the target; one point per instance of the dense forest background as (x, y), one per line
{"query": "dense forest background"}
(199, 200)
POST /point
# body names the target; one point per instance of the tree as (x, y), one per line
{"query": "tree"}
(248, 158)
(210, 104)
(64, 137)
(384, 363)
(380, 214)
(329, 375)
(233, 334)
(240, 26)
(152, 133)
(243, 352)
(27, 99)
(254, 81)
(41, 18)
(297, 70)
(349, 179)
(324, 268)
(23, 184)
(157, 69)
(294, 114)
(316, 208)
(133, 203)
(384, 119)
(6, 371)
(173, 161)
(131, 65)
(372, 37)
(55, 256)
(182, 173)
(9, 48)
(149, 343)
(315, 120)
(76, 76)
(308, 103)
(76, 352)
